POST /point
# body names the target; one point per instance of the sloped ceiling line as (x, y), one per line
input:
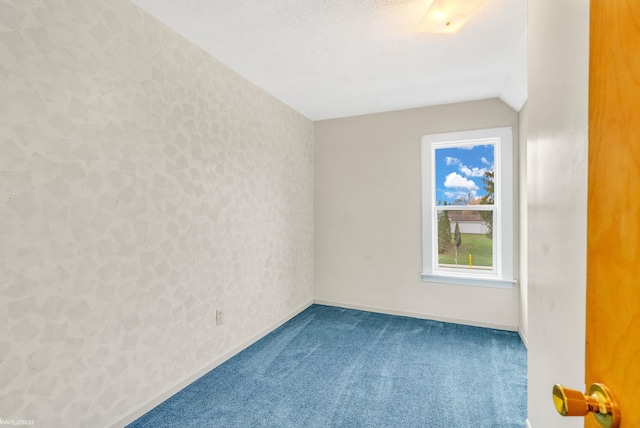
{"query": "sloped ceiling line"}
(337, 58)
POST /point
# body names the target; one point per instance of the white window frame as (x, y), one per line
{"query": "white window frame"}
(502, 275)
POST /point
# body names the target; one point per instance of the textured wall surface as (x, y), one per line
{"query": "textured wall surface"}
(143, 185)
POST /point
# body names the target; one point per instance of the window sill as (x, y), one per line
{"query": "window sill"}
(469, 280)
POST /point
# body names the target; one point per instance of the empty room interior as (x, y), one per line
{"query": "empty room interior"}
(294, 213)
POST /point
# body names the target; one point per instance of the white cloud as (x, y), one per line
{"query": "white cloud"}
(472, 172)
(456, 181)
(451, 161)
(485, 161)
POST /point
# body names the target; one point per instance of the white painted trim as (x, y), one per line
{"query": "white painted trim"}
(199, 373)
(523, 337)
(504, 242)
(389, 311)
(529, 424)
(469, 279)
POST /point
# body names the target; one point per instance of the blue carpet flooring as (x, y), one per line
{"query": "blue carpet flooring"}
(333, 367)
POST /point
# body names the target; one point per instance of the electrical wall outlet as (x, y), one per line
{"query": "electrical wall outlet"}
(219, 316)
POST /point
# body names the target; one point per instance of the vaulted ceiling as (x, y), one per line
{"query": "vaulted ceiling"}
(337, 58)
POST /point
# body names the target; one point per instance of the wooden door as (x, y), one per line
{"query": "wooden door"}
(613, 215)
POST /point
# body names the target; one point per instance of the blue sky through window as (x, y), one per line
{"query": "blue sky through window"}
(459, 172)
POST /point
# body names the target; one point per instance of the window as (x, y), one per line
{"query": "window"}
(467, 208)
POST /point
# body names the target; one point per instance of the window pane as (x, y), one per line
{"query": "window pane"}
(465, 240)
(464, 175)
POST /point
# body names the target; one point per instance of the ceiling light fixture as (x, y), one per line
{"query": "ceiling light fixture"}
(447, 16)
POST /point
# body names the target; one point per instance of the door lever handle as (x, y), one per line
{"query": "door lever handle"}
(599, 402)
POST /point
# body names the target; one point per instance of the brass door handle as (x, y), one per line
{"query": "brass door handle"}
(599, 402)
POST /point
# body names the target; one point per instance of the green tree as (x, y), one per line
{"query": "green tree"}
(444, 231)
(487, 216)
(457, 237)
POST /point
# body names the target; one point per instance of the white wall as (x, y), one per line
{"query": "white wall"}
(523, 323)
(143, 185)
(367, 247)
(557, 201)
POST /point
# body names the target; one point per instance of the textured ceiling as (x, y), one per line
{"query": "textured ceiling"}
(336, 58)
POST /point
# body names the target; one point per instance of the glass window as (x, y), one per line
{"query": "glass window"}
(468, 207)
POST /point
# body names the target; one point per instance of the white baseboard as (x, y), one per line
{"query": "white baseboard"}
(198, 374)
(523, 337)
(415, 315)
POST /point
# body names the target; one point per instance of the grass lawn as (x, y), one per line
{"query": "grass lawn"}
(479, 246)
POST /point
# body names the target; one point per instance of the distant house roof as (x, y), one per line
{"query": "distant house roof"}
(464, 216)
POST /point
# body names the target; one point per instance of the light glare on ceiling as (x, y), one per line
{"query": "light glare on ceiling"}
(447, 16)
